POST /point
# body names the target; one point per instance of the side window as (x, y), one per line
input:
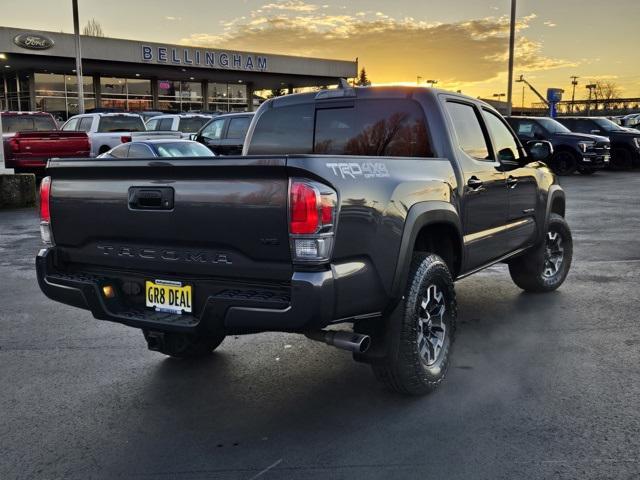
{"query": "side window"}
(585, 126)
(470, 136)
(70, 125)
(139, 150)
(505, 143)
(213, 131)
(121, 151)
(152, 124)
(238, 128)
(282, 130)
(524, 128)
(85, 124)
(165, 124)
(393, 128)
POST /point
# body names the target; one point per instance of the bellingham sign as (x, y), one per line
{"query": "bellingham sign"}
(204, 58)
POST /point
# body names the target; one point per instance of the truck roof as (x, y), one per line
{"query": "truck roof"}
(393, 91)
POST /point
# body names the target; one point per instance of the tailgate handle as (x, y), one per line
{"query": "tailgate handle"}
(145, 198)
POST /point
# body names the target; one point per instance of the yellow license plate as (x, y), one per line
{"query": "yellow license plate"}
(168, 296)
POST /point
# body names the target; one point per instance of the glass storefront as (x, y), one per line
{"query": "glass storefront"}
(131, 94)
(225, 97)
(179, 96)
(58, 94)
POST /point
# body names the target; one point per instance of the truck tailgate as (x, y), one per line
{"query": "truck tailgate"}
(49, 144)
(217, 218)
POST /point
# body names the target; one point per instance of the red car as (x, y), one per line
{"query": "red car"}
(32, 138)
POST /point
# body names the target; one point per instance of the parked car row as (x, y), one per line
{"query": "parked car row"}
(583, 144)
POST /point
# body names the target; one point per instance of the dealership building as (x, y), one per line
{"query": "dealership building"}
(38, 73)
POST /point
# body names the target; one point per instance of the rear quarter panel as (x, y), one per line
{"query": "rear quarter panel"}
(375, 196)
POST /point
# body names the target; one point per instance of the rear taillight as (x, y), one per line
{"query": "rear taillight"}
(45, 211)
(14, 145)
(312, 217)
(125, 138)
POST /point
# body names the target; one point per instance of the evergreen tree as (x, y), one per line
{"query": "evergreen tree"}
(363, 80)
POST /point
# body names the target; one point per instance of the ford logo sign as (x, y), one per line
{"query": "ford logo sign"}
(33, 41)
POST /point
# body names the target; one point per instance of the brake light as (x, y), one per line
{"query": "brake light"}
(45, 211)
(312, 214)
(14, 145)
(125, 138)
(304, 209)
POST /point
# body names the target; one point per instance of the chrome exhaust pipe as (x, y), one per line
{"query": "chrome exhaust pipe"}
(350, 341)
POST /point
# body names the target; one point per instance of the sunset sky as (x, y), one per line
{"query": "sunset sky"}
(462, 43)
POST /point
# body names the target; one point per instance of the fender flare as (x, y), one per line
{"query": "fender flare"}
(555, 192)
(421, 215)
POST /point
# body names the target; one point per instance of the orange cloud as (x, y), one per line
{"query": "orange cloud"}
(392, 49)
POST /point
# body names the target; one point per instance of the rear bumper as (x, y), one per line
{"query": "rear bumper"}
(308, 305)
(27, 163)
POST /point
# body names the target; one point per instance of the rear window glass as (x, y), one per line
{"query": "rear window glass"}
(192, 124)
(389, 128)
(394, 128)
(27, 123)
(182, 149)
(121, 123)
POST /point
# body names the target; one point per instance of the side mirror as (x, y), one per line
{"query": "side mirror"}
(539, 150)
(193, 136)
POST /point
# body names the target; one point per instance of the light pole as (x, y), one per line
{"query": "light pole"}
(574, 82)
(512, 36)
(432, 82)
(591, 87)
(76, 32)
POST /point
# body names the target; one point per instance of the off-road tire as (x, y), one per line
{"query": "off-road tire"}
(529, 272)
(564, 162)
(404, 369)
(182, 345)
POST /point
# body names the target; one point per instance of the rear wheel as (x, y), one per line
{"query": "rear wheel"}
(422, 335)
(182, 345)
(103, 149)
(621, 159)
(587, 171)
(564, 162)
(544, 268)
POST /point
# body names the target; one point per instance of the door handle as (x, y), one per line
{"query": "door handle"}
(151, 198)
(512, 182)
(474, 183)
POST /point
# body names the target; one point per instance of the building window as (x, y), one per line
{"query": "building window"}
(126, 93)
(179, 96)
(58, 94)
(227, 97)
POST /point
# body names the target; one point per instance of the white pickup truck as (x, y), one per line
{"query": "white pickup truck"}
(106, 130)
(185, 123)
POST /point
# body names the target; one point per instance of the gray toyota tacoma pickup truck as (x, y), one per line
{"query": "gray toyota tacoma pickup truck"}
(357, 206)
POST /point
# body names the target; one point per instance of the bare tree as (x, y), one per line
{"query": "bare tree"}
(93, 29)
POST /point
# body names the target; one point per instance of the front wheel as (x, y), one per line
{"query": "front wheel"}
(564, 162)
(422, 333)
(621, 159)
(545, 267)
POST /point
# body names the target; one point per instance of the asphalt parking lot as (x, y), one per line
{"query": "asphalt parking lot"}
(542, 386)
